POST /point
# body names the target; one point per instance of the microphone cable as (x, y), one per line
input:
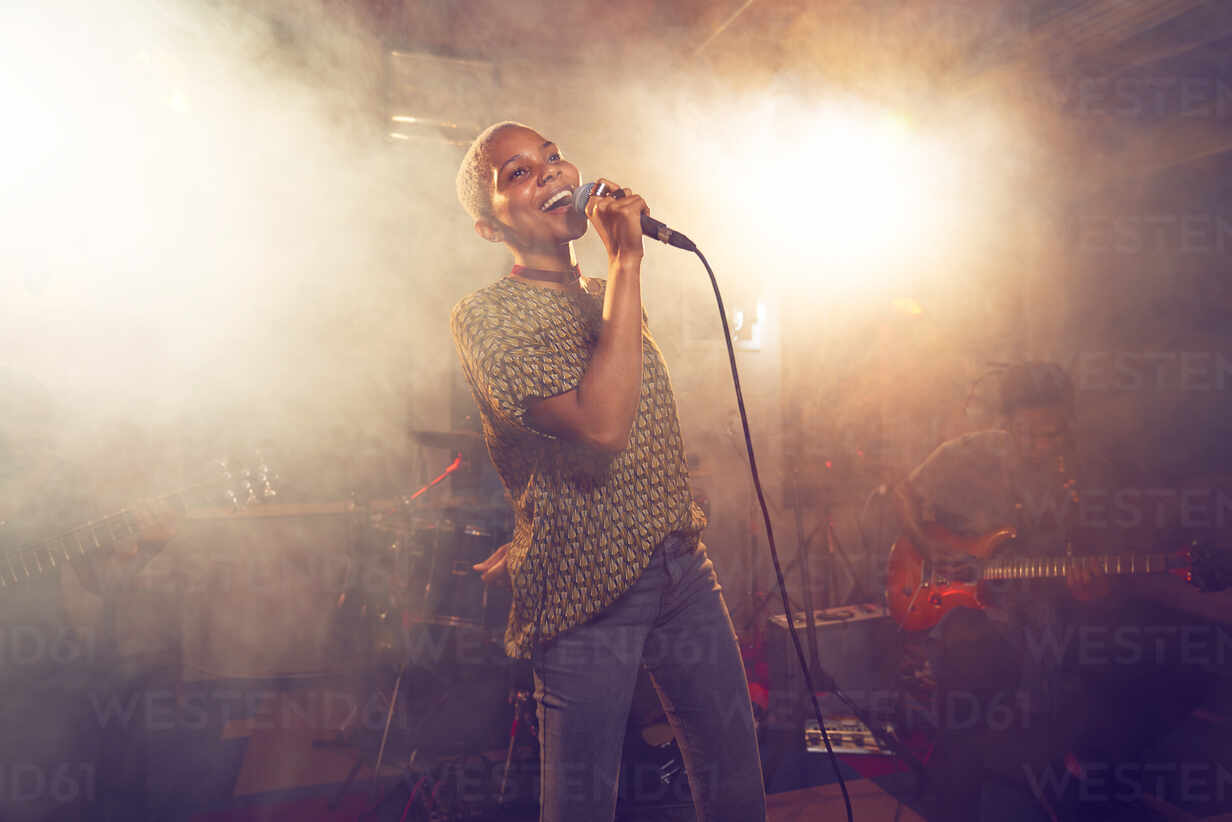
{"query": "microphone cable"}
(774, 554)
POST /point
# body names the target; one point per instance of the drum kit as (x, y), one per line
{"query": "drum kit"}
(421, 628)
(435, 630)
(417, 552)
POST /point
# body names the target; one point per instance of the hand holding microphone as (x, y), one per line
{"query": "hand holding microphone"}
(615, 215)
(650, 227)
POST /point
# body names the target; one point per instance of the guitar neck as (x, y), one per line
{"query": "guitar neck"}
(42, 558)
(1059, 567)
(37, 560)
(242, 488)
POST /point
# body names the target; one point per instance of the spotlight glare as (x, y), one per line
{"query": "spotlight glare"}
(854, 194)
(906, 305)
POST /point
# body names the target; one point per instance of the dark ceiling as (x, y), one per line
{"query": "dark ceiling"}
(1161, 67)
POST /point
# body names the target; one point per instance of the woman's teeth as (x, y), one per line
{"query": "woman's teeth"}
(555, 200)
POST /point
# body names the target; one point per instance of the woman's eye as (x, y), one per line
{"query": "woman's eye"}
(517, 172)
(554, 157)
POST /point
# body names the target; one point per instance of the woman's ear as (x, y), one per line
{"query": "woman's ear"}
(489, 230)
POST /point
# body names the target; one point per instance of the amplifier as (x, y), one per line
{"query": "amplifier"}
(257, 591)
(855, 648)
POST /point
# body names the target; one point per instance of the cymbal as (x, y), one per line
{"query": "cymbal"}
(449, 440)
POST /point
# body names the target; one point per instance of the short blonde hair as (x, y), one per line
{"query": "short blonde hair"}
(474, 174)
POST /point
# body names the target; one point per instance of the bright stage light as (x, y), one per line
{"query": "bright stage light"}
(907, 305)
(864, 194)
(844, 196)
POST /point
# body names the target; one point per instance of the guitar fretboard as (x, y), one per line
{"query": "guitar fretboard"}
(242, 487)
(36, 560)
(1049, 567)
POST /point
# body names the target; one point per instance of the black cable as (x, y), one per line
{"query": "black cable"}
(806, 580)
(879, 490)
(774, 554)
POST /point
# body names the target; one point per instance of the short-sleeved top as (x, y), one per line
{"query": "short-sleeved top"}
(585, 523)
(969, 486)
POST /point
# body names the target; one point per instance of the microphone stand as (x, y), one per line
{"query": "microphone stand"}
(453, 466)
(806, 586)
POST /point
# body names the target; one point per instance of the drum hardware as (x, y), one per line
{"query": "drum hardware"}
(391, 523)
(652, 774)
(453, 466)
(659, 751)
(361, 757)
(426, 611)
(450, 790)
(478, 477)
(524, 726)
(453, 595)
(454, 712)
(377, 518)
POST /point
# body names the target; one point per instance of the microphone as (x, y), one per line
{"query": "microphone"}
(650, 226)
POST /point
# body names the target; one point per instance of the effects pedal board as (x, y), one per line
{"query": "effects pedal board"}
(848, 735)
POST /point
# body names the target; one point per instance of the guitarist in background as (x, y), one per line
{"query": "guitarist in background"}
(66, 644)
(996, 700)
(126, 669)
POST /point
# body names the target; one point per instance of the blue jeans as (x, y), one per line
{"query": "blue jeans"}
(673, 620)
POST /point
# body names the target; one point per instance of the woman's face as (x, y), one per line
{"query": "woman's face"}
(532, 193)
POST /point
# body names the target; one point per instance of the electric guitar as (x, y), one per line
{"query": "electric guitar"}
(919, 591)
(241, 487)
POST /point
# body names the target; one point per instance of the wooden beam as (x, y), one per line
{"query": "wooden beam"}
(722, 27)
(1096, 25)
(1173, 143)
(1200, 27)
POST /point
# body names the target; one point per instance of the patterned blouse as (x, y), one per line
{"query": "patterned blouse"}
(585, 523)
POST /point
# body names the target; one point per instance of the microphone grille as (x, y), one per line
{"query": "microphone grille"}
(582, 196)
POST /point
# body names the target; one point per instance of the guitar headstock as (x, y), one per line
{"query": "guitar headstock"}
(242, 486)
(247, 484)
(1210, 566)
